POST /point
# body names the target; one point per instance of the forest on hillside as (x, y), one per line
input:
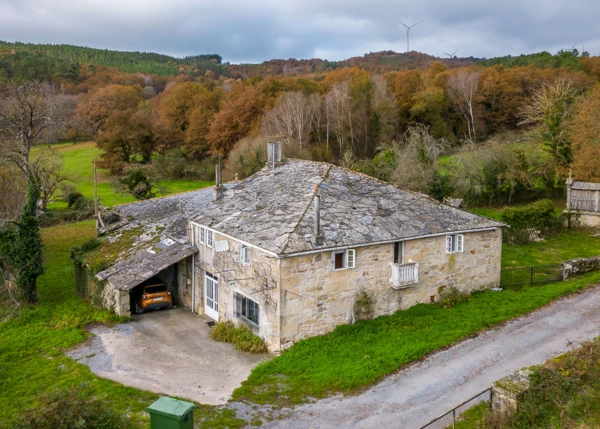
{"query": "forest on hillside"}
(490, 131)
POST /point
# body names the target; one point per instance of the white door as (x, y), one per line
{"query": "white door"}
(211, 294)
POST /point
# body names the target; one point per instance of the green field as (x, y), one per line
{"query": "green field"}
(31, 346)
(569, 244)
(78, 161)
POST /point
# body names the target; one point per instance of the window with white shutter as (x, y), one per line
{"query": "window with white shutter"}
(459, 242)
(238, 252)
(202, 234)
(344, 259)
(350, 258)
(455, 243)
(246, 255)
(209, 238)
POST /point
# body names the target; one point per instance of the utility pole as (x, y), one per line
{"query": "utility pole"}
(408, 34)
(95, 192)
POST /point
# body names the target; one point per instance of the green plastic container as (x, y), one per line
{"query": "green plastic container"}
(170, 413)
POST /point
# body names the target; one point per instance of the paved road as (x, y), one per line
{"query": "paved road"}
(427, 389)
(169, 352)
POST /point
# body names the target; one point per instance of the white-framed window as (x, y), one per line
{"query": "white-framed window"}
(242, 254)
(202, 234)
(343, 259)
(246, 309)
(455, 243)
(209, 238)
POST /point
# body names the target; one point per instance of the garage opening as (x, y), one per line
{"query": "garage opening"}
(156, 293)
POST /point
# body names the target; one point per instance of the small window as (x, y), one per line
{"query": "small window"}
(202, 234)
(209, 238)
(455, 243)
(343, 260)
(246, 309)
(242, 254)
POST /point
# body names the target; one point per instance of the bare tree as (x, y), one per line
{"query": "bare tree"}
(462, 90)
(291, 118)
(27, 112)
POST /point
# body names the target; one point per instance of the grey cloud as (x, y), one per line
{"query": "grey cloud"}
(254, 31)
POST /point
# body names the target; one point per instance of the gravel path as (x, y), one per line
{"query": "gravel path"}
(421, 392)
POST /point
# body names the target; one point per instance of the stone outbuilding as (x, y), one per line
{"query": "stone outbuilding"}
(584, 199)
(301, 247)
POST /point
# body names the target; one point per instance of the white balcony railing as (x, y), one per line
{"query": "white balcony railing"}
(404, 275)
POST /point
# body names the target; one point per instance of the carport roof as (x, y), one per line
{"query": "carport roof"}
(144, 264)
(153, 237)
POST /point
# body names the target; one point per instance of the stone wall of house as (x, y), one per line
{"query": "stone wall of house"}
(315, 298)
(101, 293)
(184, 281)
(259, 281)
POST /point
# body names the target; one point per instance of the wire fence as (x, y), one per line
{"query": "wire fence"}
(449, 419)
(529, 276)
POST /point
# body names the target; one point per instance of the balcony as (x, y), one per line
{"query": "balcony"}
(404, 275)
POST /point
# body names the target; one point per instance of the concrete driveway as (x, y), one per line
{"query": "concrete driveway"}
(169, 352)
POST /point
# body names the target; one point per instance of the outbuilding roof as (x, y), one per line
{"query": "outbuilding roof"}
(274, 210)
(586, 186)
(153, 238)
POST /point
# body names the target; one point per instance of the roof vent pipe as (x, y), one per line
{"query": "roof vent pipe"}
(273, 153)
(317, 237)
(218, 189)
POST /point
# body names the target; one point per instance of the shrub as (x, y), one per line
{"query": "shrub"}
(138, 183)
(72, 198)
(66, 189)
(68, 409)
(240, 336)
(175, 165)
(247, 157)
(539, 215)
(452, 297)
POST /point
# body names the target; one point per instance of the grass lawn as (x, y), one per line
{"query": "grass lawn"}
(78, 164)
(554, 250)
(31, 346)
(31, 358)
(354, 356)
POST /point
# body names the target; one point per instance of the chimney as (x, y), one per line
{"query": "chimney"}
(273, 153)
(317, 238)
(218, 189)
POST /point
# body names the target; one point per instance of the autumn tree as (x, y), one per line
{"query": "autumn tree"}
(238, 117)
(462, 90)
(584, 132)
(551, 107)
(108, 101)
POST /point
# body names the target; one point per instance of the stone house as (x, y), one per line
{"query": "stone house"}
(301, 247)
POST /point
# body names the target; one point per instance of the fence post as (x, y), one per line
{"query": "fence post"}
(531, 276)
(453, 418)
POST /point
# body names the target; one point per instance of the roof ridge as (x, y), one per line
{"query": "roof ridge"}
(417, 194)
(324, 175)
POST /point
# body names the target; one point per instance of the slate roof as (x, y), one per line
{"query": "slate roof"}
(274, 210)
(159, 229)
(586, 186)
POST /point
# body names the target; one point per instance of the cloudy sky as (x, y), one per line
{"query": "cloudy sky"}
(258, 30)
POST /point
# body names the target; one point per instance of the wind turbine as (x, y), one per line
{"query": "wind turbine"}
(408, 34)
(450, 55)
